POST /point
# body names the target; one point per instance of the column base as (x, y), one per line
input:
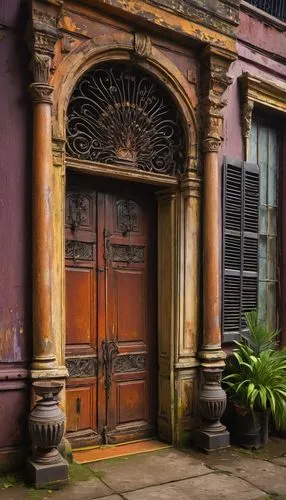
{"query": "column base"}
(48, 362)
(209, 441)
(48, 476)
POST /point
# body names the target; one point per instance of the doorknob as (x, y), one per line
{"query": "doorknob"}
(110, 351)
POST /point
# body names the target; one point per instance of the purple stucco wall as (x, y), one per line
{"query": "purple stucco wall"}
(15, 231)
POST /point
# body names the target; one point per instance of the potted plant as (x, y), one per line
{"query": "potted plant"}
(255, 382)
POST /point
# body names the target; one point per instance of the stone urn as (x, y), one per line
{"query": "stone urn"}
(212, 401)
(46, 423)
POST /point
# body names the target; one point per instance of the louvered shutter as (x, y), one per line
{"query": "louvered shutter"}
(240, 245)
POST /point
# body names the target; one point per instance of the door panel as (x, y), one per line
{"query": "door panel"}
(80, 408)
(81, 316)
(79, 306)
(111, 313)
(130, 289)
(131, 401)
(130, 313)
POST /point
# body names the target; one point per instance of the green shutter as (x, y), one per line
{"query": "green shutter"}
(240, 245)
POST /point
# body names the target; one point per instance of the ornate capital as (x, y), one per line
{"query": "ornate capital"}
(142, 45)
(211, 144)
(42, 36)
(41, 93)
(214, 83)
(40, 66)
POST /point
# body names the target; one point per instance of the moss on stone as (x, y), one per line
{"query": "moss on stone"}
(80, 472)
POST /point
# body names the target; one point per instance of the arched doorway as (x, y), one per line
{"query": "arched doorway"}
(119, 119)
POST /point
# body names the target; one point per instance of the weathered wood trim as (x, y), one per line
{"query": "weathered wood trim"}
(123, 173)
(257, 91)
(154, 16)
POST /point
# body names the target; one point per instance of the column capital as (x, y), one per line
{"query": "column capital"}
(42, 35)
(41, 93)
(215, 65)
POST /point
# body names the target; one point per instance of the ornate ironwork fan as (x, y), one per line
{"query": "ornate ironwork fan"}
(119, 114)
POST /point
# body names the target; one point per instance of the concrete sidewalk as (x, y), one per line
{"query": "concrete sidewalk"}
(170, 474)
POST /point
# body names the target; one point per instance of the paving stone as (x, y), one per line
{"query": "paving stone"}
(264, 475)
(279, 461)
(84, 490)
(15, 493)
(210, 487)
(131, 473)
(112, 497)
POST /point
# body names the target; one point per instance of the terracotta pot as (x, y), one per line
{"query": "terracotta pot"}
(46, 422)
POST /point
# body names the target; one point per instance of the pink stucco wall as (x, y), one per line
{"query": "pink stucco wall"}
(262, 53)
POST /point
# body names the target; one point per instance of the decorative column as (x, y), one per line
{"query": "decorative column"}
(46, 467)
(41, 93)
(212, 401)
(42, 37)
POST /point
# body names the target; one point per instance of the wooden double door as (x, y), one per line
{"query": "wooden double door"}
(111, 334)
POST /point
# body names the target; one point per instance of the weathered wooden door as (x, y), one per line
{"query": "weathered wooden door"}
(111, 313)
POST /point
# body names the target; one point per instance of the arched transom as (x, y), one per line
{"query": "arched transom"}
(119, 114)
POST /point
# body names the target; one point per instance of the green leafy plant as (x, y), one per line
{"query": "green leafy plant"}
(261, 338)
(255, 376)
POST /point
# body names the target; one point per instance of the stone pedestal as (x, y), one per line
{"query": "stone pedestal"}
(51, 476)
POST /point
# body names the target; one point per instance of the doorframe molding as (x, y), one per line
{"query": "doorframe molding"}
(178, 210)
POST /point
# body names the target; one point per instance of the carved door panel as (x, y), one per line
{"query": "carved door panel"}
(81, 311)
(111, 314)
(129, 333)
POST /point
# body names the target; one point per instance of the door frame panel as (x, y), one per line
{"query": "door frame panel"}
(178, 251)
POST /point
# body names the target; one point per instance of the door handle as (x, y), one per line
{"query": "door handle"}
(78, 405)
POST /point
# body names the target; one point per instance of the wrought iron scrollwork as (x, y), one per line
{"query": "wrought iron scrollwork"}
(110, 351)
(120, 115)
(77, 210)
(78, 250)
(132, 254)
(127, 216)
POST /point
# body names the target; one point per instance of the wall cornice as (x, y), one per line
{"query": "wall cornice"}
(200, 25)
(262, 16)
(263, 92)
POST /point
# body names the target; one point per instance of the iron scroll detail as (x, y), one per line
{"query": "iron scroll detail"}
(110, 351)
(120, 115)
